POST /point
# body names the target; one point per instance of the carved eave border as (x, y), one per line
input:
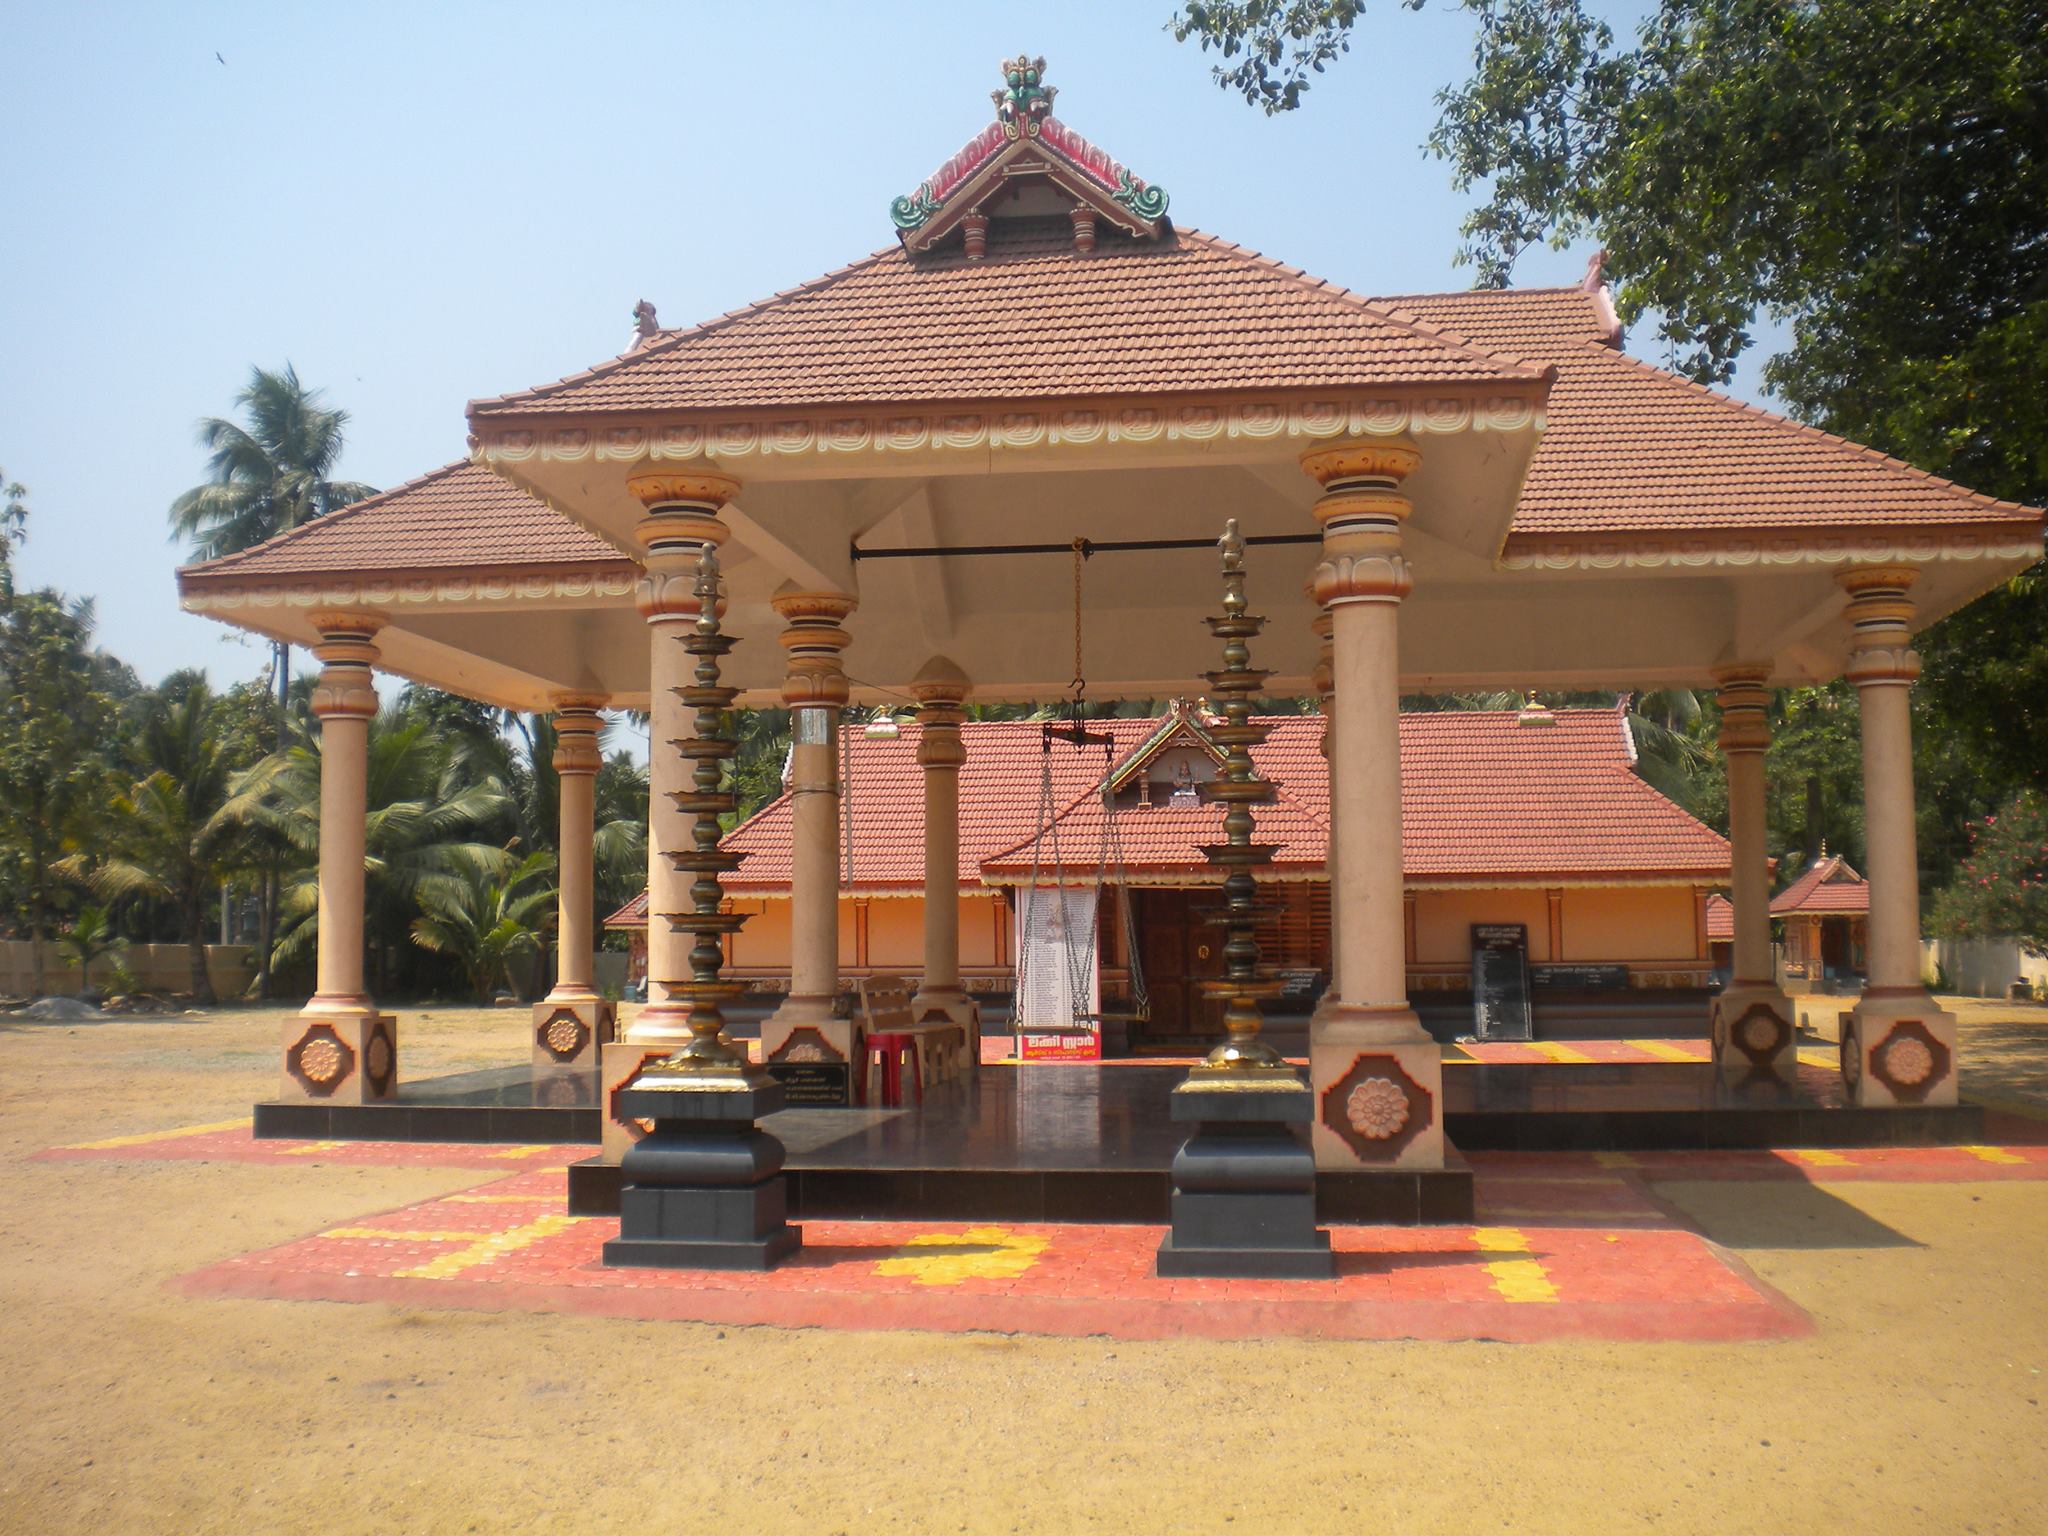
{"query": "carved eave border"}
(474, 587)
(994, 157)
(1776, 547)
(885, 433)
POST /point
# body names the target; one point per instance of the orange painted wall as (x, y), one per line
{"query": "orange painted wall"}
(1444, 919)
(895, 933)
(1655, 922)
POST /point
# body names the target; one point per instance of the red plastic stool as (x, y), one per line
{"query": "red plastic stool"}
(893, 1051)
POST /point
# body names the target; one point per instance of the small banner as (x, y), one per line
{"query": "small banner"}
(1055, 939)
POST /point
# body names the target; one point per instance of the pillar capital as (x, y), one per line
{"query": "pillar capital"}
(813, 640)
(682, 517)
(941, 691)
(1881, 625)
(1361, 512)
(576, 730)
(1744, 695)
(345, 689)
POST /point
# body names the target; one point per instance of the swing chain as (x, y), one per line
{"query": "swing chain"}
(1079, 685)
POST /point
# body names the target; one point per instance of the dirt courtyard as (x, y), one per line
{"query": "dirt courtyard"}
(1914, 1404)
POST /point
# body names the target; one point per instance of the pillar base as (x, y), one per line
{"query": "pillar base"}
(341, 1057)
(818, 1055)
(1899, 1048)
(658, 1026)
(1755, 1031)
(618, 1063)
(1379, 1085)
(567, 1033)
(1244, 1187)
(956, 1007)
(704, 1188)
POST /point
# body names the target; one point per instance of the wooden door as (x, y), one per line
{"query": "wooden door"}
(1179, 949)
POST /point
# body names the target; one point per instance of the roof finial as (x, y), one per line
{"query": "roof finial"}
(1596, 272)
(1024, 92)
(645, 326)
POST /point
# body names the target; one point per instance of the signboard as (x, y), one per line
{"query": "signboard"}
(1581, 978)
(813, 1084)
(1065, 1045)
(1500, 982)
(1055, 940)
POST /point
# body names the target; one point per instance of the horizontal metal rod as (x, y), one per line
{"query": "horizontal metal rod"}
(1089, 547)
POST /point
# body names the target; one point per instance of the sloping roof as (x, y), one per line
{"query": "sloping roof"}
(461, 516)
(1031, 320)
(1629, 448)
(1484, 797)
(1828, 885)
(1720, 919)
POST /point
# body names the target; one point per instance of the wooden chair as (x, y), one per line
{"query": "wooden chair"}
(884, 1003)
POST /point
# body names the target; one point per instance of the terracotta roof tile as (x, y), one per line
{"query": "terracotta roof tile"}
(1483, 797)
(1032, 320)
(1827, 885)
(1720, 919)
(461, 515)
(1631, 448)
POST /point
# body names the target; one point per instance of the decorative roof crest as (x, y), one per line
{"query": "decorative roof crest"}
(1027, 142)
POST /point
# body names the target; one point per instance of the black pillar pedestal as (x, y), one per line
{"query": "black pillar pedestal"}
(704, 1188)
(1244, 1187)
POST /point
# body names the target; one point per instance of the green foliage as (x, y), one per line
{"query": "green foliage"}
(174, 836)
(270, 475)
(1271, 47)
(55, 711)
(2001, 888)
(13, 530)
(90, 939)
(493, 913)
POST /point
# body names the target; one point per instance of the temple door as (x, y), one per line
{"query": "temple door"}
(1179, 949)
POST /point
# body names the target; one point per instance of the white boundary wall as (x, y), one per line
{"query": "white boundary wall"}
(1984, 967)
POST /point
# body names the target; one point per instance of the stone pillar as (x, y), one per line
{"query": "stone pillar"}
(1753, 1024)
(1898, 1047)
(682, 517)
(1324, 678)
(806, 1026)
(941, 690)
(340, 1048)
(572, 1021)
(1377, 1074)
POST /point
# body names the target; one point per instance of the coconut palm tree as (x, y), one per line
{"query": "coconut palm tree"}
(491, 915)
(265, 478)
(174, 836)
(425, 802)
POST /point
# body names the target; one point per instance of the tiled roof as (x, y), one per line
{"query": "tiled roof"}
(1483, 797)
(460, 516)
(1720, 919)
(1828, 885)
(1032, 320)
(1632, 449)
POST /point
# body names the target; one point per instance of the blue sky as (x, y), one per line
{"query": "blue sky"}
(419, 204)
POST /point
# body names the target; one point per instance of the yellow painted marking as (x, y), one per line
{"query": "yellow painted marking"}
(310, 1149)
(1615, 1160)
(1815, 1157)
(1517, 1279)
(1458, 1053)
(1557, 1051)
(144, 1138)
(518, 1152)
(1664, 1050)
(499, 1199)
(479, 1247)
(1993, 1154)
(979, 1253)
(1826, 1060)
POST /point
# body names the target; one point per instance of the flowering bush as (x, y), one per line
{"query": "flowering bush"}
(2001, 889)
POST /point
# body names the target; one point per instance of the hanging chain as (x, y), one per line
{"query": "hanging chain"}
(1080, 683)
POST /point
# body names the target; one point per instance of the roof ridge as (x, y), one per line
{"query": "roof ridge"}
(328, 519)
(1353, 299)
(668, 341)
(1817, 435)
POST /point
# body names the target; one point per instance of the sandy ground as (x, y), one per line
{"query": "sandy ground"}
(1916, 1405)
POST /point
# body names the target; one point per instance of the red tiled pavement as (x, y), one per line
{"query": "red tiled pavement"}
(1605, 1262)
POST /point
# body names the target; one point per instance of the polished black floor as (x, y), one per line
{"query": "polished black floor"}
(1095, 1143)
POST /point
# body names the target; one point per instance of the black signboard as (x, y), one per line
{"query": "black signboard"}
(1500, 982)
(1582, 978)
(813, 1083)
